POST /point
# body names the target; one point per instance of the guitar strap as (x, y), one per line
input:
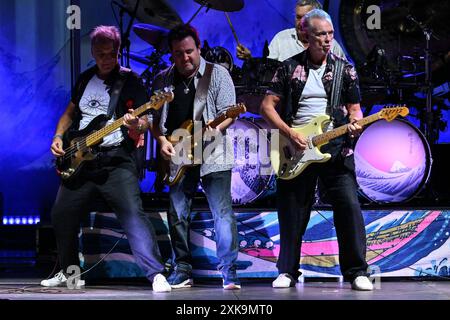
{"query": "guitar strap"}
(336, 87)
(201, 93)
(115, 92)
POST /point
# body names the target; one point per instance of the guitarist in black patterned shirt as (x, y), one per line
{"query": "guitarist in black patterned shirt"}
(303, 85)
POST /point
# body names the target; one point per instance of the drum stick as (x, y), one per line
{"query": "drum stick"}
(231, 26)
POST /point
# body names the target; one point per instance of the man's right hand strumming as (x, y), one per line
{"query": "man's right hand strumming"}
(167, 149)
(57, 146)
(298, 140)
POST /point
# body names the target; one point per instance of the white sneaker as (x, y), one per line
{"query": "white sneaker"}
(160, 284)
(284, 280)
(58, 280)
(362, 283)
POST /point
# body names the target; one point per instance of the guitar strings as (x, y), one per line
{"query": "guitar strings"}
(82, 145)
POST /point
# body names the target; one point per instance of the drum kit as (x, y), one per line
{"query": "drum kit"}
(157, 18)
(403, 180)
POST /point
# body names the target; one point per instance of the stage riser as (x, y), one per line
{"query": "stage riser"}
(400, 243)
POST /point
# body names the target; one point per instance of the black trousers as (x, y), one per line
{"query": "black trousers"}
(114, 177)
(295, 198)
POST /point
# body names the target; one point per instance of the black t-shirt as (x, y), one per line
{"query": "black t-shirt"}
(182, 106)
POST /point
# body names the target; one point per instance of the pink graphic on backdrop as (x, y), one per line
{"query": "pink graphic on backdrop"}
(391, 146)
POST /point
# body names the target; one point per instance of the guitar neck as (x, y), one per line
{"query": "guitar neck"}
(339, 131)
(213, 124)
(97, 136)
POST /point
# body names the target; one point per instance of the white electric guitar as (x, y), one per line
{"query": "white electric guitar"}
(288, 161)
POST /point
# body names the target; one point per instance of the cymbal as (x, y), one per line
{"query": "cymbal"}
(223, 5)
(154, 35)
(155, 12)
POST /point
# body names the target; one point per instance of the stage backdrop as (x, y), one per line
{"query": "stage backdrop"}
(413, 243)
(35, 79)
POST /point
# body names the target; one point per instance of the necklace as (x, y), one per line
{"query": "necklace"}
(186, 90)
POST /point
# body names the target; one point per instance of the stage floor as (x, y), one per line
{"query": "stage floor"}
(207, 290)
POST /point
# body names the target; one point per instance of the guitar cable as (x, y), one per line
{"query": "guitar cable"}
(56, 290)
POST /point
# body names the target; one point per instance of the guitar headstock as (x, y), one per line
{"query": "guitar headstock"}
(389, 113)
(160, 97)
(236, 110)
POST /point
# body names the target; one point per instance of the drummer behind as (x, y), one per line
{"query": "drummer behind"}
(303, 85)
(202, 91)
(289, 42)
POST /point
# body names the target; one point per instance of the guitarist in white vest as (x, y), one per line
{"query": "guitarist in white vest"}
(303, 85)
(202, 91)
(113, 175)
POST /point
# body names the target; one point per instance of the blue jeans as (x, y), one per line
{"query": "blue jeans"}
(217, 188)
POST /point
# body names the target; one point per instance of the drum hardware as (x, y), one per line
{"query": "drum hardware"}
(153, 35)
(226, 6)
(154, 12)
(256, 75)
(218, 55)
(124, 36)
(430, 133)
(157, 38)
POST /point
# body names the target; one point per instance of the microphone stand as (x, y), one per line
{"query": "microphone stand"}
(430, 133)
(203, 4)
(125, 36)
(431, 129)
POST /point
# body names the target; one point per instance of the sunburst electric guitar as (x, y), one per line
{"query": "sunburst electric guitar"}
(80, 146)
(288, 161)
(172, 171)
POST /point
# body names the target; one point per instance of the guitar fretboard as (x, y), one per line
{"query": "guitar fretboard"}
(230, 113)
(339, 131)
(95, 137)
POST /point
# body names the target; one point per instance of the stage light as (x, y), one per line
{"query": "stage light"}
(21, 220)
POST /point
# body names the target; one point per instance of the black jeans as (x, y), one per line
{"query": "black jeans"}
(115, 179)
(295, 199)
(217, 187)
